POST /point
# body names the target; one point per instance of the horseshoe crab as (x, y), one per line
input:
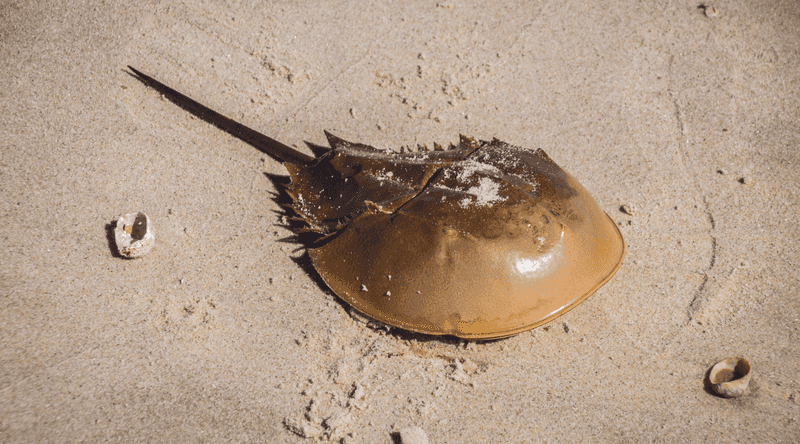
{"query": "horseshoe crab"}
(482, 240)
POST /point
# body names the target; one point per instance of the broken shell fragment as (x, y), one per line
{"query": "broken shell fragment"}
(133, 235)
(730, 377)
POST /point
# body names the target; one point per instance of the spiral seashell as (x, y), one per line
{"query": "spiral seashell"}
(133, 235)
(730, 377)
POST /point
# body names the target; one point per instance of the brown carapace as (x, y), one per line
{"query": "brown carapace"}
(482, 240)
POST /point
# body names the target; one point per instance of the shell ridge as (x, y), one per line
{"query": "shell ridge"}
(419, 192)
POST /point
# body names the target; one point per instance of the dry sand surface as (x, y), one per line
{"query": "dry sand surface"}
(689, 117)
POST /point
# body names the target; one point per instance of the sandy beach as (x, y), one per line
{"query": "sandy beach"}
(681, 118)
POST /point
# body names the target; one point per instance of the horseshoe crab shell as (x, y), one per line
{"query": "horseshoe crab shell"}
(483, 240)
(499, 240)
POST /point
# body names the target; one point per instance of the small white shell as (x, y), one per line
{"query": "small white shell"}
(711, 11)
(730, 377)
(133, 235)
(413, 435)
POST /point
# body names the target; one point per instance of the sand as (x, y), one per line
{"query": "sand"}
(684, 126)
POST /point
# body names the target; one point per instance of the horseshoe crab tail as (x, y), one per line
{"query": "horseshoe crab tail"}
(261, 142)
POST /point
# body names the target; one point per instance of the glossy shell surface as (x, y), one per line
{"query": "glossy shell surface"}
(484, 240)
